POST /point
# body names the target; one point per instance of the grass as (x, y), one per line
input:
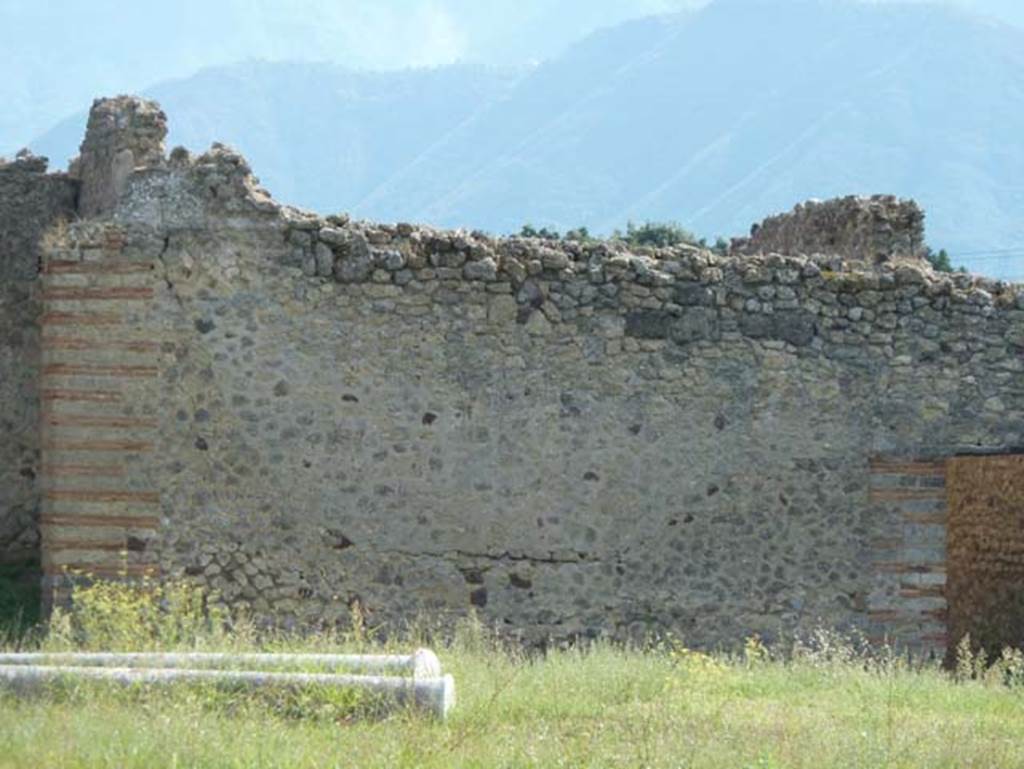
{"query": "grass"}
(819, 705)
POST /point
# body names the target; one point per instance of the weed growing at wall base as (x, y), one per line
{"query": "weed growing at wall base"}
(822, 703)
(141, 616)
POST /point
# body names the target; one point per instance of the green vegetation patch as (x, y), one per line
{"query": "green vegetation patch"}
(648, 234)
(817, 704)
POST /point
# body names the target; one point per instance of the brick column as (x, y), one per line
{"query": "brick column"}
(100, 505)
(908, 604)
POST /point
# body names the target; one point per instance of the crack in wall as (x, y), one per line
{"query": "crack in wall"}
(498, 557)
(166, 276)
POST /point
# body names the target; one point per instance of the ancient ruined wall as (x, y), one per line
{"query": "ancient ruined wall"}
(568, 438)
(30, 203)
(876, 229)
(124, 135)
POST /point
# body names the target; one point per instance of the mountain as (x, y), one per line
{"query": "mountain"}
(1006, 10)
(714, 119)
(746, 108)
(317, 135)
(59, 54)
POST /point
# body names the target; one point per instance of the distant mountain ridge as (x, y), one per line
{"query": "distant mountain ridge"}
(59, 54)
(318, 135)
(714, 119)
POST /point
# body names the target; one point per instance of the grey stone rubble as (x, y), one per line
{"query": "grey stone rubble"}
(875, 229)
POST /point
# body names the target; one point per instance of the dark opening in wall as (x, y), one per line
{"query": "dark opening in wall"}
(19, 594)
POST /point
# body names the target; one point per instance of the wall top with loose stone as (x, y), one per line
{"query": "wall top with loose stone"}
(871, 243)
(24, 162)
(841, 278)
(873, 229)
(30, 200)
(124, 134)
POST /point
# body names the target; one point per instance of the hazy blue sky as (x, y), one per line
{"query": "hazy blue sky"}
(59, 54)
(368, 33)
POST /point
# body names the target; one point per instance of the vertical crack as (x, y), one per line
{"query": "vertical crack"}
(166, 270)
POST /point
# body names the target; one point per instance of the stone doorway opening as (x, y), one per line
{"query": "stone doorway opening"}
(985, 551)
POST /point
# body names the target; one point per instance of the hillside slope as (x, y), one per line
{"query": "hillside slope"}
(317, 135)
(58, 55)
(742, 110)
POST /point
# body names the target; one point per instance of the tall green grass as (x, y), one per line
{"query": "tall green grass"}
(816, 704)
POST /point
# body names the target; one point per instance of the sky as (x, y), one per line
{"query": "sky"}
(59, 54)
(385, 34)
(374, 34)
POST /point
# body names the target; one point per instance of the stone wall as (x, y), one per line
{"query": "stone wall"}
(30, 202)
(124, 135)
(876, 229)
(571, 439)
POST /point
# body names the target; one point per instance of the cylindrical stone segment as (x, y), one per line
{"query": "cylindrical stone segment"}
(423, 663)
(435, 696)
